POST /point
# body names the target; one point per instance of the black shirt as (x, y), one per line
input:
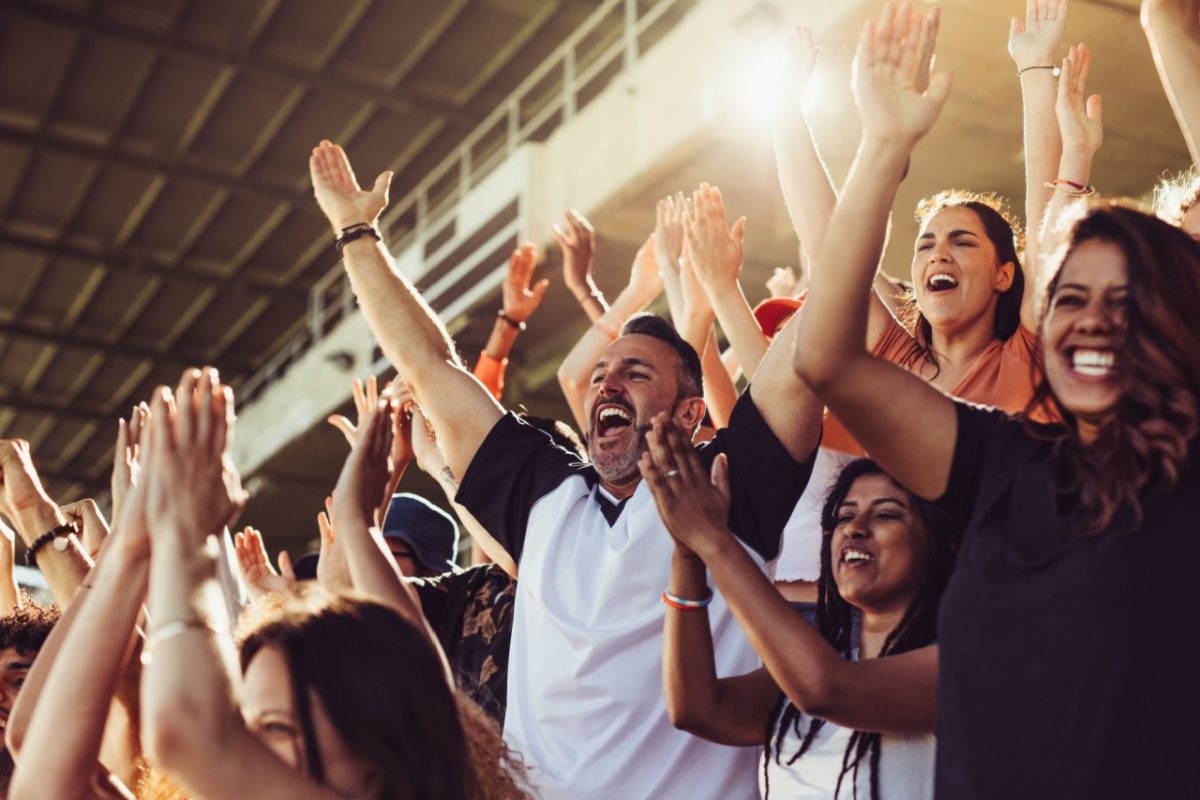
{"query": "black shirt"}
(1066, 667)
(471, 613)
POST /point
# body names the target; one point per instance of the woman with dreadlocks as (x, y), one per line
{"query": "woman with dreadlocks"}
(885, 558)
(1062, 669)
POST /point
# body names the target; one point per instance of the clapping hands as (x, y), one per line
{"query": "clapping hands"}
(693, 502)
(192, 488)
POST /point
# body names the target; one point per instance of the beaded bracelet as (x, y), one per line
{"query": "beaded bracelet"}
(51, 535)
(356, 231)
(516, 323)
(687, 605)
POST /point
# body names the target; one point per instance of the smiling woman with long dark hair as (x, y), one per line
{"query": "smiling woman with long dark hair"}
(885, 558)
(1062, 668)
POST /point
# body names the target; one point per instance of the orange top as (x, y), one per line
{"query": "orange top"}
(490, 373)
(1003, 375)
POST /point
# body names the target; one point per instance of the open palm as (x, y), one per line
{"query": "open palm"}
(886, 70)
(337, 191)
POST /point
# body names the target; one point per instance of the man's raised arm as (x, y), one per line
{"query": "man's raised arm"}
(411, 335)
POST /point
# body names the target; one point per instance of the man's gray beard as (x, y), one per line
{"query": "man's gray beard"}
(618, 468)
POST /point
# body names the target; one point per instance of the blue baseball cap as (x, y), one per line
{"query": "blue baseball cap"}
(430, 531)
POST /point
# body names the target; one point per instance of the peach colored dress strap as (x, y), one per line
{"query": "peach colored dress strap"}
(1003, 375)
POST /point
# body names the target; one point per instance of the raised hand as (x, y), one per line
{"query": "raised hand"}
(645, 282)
(782, 282)
(520, 300)
(1035, 43)
(366, 395)
(338, 194)
(800, 62)
(332, 571)
(23, 499)
(127, 455)
(716, 250)
(693, 503)
(578, 243)
(362, 487)
(1079, 121)
(192, 487)
(261, 577)
(886, 70)
(668, 232)
(697, 306)
(90, 523)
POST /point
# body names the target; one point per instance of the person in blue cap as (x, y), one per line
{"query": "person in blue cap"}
(423, 538)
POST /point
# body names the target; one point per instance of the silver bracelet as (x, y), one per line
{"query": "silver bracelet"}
(171, 630)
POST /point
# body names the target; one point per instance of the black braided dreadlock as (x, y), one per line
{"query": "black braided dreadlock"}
(835, 621)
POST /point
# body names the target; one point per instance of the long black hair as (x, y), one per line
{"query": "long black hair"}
(835, 621)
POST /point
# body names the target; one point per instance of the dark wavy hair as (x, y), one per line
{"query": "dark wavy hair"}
(385, 692)
(1000, 228)
(25, 629)
(835, 622)
(1144, 441)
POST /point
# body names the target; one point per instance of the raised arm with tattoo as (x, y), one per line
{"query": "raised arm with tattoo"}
(410, 334)
(1034, 50)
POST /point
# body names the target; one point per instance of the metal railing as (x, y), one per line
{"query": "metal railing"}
(604, 45)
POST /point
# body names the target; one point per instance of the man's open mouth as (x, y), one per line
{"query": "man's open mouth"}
(612, 418)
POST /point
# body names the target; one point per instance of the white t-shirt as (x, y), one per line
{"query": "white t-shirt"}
(800, 553)
(585, 699)
(905, 766)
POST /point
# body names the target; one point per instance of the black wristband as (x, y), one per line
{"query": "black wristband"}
(40, 542)
(352, 232)
(518, 325)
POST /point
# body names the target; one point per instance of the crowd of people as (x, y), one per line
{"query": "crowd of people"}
(934, 548)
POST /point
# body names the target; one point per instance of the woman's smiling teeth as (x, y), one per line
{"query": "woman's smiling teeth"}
(940, 282)
(1092, 363)
(854, 555)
